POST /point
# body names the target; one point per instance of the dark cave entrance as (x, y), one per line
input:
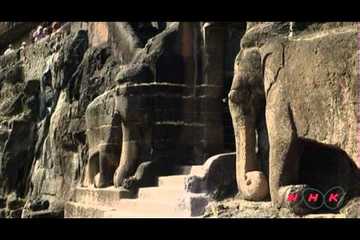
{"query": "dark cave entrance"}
(324, 166)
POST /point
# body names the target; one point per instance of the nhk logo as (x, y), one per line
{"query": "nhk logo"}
(315, 199)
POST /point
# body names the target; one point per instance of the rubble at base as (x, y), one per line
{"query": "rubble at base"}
(238, 208)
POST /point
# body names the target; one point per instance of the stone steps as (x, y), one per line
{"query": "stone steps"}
(79, 210)
(187, 170)
(167, 200)
(104, 196)
(168, 193)
(148, 208)
(138, 208)
(172, 181)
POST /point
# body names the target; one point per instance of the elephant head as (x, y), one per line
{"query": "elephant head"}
(246, 103)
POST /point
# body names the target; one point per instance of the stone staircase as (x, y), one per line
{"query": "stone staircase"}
(168, 199)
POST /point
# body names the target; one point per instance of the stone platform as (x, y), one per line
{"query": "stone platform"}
(168, 199)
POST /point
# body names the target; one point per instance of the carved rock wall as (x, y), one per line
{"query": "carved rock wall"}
(45, 91)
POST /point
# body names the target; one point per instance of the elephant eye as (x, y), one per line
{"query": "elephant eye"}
(239, 95)
(234, 96)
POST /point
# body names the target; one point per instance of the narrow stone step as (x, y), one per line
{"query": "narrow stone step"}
(79, 210)
(123, 214)
(172, 181)
(133, 208)
(109, 196)
(188, 170)
(191, 205)
(161, 193)
(150, 207)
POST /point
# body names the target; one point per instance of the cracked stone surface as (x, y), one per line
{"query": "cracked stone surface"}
(238, 208)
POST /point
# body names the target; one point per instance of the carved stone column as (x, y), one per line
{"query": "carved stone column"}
(210, 90)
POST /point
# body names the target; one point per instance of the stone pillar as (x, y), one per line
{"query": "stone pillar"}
(203, 48)
(192, 134)
(214, 47)
(210, 90)
(187, 51)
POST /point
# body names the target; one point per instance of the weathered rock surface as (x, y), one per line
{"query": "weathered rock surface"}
(239, 208)
(14, 32)
(41, 128)
(136, 100)
(47, 89)
(306, 93)
(153, 110)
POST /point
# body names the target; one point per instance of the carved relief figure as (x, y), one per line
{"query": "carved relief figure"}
(306, 94)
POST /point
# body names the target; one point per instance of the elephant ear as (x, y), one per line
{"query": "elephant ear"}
(272, 62)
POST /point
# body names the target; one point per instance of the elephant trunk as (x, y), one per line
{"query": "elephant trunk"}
(252, 183)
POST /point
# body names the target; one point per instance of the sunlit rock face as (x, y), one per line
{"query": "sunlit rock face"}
(115, 104)
(67, 96)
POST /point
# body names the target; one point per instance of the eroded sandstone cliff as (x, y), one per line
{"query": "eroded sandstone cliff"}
(47, 87)
(137, 93)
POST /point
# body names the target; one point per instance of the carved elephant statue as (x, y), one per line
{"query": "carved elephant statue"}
(104, 136)
(127, 126)
(117, 130)
(286, 91)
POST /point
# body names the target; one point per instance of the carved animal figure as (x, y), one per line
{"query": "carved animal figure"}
(286, 92)
(117, 121)
(120, 122)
